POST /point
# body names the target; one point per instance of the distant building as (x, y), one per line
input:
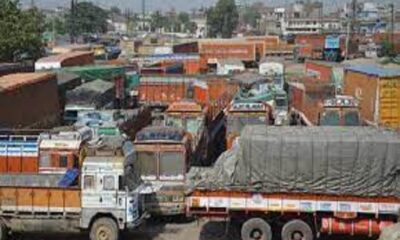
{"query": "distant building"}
(118, 24)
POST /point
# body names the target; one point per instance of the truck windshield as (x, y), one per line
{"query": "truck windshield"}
(237, 123)
(172, 166)
(190, 124)
(174, 122)
(281, 103)
(147, 165)
(351, 118)
(330, 118)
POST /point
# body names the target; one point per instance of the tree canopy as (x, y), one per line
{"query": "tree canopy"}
(223, 19)
(88, 18)
(20, 31)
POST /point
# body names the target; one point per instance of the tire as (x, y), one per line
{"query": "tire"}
(104, 229)
(297, 230)
(256, 229)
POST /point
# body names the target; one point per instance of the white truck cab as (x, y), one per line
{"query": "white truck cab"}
(104, 191)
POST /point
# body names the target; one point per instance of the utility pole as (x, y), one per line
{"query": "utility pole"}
(143, 14)
(391, 23)
(351, 22)
(72, 21)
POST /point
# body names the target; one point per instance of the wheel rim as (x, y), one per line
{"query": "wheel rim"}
(297, 236)
(256, 234)
(103, 233)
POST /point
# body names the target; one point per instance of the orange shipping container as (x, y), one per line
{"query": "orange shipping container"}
(378, 91)
(210, 51)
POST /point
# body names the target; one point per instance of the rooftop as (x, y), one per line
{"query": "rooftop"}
(374, 70)
(14, 81)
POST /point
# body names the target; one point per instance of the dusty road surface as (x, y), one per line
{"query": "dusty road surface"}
(173, 230)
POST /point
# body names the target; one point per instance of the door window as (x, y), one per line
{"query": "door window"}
(88, 182)
(109, 183)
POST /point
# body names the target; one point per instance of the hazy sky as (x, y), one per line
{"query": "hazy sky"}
(177, 4)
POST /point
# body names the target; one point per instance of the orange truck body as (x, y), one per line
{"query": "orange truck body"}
(210, 51)
(39, 200)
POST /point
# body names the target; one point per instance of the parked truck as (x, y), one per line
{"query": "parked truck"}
(318, 105)
(102, 199)
(323, 47)
(54, 152)
(297, 183)
(164, 157)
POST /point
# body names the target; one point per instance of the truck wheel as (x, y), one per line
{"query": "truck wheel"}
(104, 229)
(256, 229)
(297, 230)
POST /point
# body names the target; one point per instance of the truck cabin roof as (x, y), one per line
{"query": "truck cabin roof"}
(161, 135)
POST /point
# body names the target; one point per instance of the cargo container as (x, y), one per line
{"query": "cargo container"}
(104, 202)
(29, 100)
(192, 67)
(377, 90)
(190, 47)
(70, 59)
(19, 154)
(70, 48)
(306, 100)
(325, 72)
(210, 50)
(9, 68)
(296, 183)
(163, 90)
(45, 153)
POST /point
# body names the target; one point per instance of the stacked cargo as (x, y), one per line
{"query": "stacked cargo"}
(68, 59)
(212, 50)
(378, 91)
(29, 100)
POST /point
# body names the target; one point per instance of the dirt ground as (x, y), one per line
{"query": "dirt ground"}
(175, 230)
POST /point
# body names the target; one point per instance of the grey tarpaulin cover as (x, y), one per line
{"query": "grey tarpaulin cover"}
(358, 161)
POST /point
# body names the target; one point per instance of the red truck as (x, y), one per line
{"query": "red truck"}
(297, 182)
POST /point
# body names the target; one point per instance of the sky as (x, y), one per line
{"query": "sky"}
(180, 5)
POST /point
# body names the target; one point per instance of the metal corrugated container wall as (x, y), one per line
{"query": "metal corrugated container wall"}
(31, 105)
(364, 88)
(320, 72)
(230, 50)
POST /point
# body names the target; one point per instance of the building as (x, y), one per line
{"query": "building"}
(118, 24)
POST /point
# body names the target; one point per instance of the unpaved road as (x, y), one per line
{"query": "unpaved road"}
(167, 230)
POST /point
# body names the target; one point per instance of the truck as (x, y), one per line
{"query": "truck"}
(301, 183)
(47, 152)
(194, 119)
(102, 199)
(256, 102)
(323, 47)
(164, 156)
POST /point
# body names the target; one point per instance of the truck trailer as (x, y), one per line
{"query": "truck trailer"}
(302, 182)
(101, 200)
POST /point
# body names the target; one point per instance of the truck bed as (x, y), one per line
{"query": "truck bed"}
(223, 202)
(39, 200)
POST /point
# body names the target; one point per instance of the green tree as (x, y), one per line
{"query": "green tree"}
(20, 31)
(88, 18)
(222, 19)
(251, 16)
(157, 21)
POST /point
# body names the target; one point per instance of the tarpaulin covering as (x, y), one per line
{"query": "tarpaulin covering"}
(97, 93)
(358, 161)
(93, 72)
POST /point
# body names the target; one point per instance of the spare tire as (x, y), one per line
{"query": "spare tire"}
(256, 229)
(297, 230)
